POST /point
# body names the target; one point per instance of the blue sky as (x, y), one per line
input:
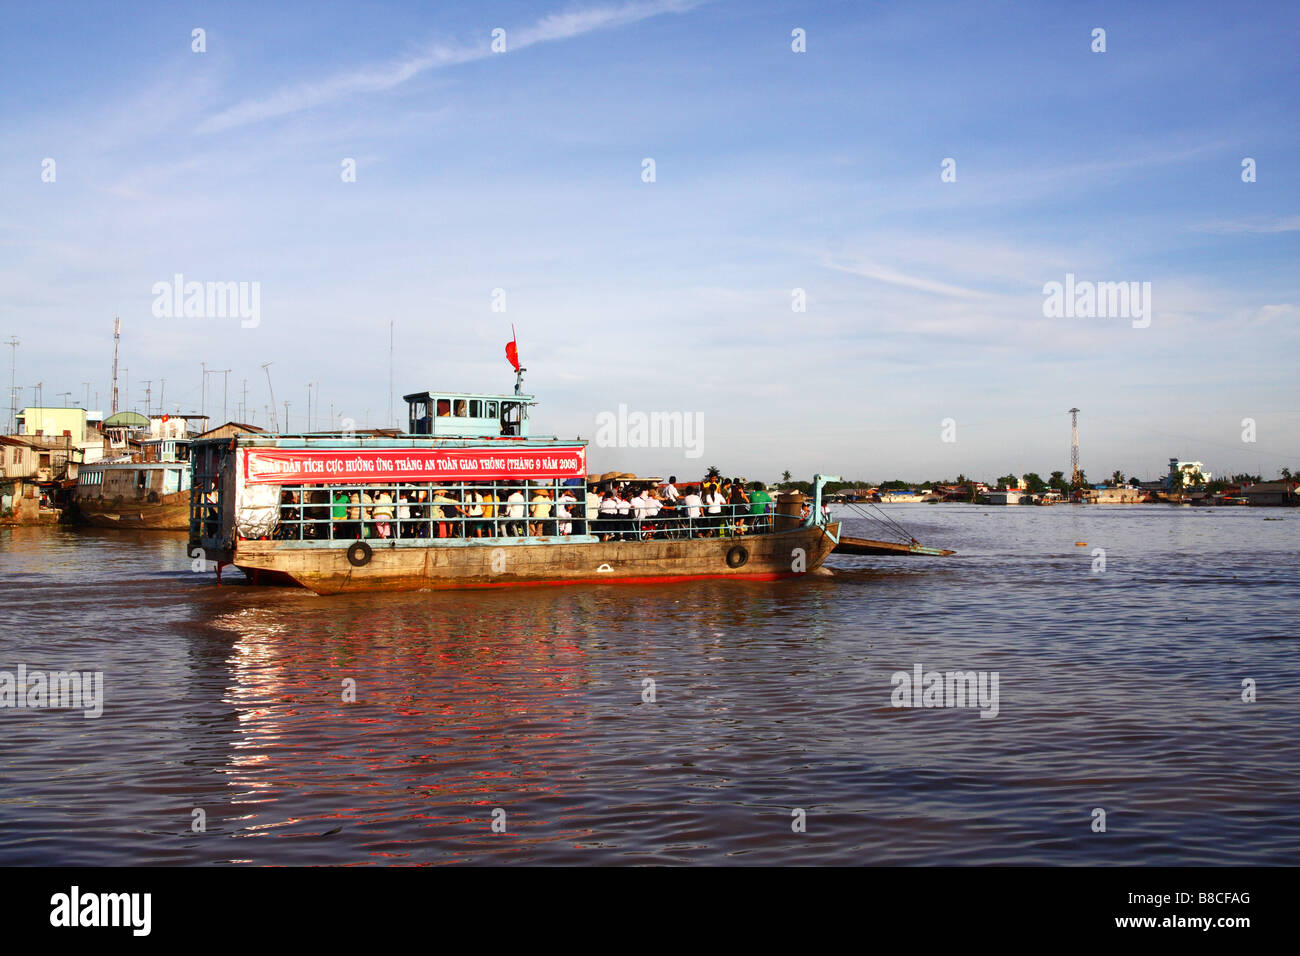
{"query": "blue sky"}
(775, 170)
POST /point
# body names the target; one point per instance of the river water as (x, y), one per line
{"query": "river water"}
(1119, 690)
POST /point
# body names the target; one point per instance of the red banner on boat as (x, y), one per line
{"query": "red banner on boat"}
(303, 465)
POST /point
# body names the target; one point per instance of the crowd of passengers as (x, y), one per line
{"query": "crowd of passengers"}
(611, 510)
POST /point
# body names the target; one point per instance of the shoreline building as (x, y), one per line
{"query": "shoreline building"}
(1188, 469)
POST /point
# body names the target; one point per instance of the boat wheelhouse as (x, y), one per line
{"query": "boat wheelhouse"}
(468, 415)
(466, 498)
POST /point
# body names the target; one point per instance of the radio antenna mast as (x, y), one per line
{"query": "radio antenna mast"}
(275, 418)
(1074, 446)
(13, 343)
(117, 337)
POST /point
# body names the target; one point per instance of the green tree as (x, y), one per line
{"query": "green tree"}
(1008, 481)
(1034, 483)
(1286, 474)
(1057, 481)
(712, 472)
(1116, 478)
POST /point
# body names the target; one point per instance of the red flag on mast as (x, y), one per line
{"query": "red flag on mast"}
(512, 348)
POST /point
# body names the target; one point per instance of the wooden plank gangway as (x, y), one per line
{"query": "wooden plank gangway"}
(849, 545)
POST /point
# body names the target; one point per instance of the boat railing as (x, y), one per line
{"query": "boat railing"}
(333, 515)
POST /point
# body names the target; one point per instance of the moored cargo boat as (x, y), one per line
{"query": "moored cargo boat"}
(147, 486)
(153, 496)
(465, 498)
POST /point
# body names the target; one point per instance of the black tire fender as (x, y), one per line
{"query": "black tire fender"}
(737, 556)
(359, 554)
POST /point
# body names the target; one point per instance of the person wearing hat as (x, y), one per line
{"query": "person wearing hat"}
(442, 508)
(383, 513)
(541, 513)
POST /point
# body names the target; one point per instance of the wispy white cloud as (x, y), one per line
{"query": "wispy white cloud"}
(1241, 227)
(882, 273)
(376, 79)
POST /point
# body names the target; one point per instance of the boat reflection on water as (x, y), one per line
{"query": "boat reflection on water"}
(535, 706)
(445, 728)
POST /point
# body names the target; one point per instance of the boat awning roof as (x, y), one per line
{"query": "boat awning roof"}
(126, 420)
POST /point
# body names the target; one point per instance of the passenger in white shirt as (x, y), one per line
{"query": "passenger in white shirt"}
(715, 502)
(592, 509)
(515, 506)
(624, 515)
(694, 507)
(608, 516)
(671, 492)
(562, 511)
(646, 508)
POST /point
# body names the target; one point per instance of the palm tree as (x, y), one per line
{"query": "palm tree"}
(1117, 478)
(712, 472)
(785, 476)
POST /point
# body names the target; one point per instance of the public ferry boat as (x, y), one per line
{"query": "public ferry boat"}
(465, 498)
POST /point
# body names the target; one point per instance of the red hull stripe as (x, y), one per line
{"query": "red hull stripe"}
(603, 579)
(560, 582)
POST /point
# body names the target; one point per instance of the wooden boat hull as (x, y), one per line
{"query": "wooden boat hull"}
(169, 513)
(398, 566)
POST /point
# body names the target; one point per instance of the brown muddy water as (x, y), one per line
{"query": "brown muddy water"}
(1118, 689)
